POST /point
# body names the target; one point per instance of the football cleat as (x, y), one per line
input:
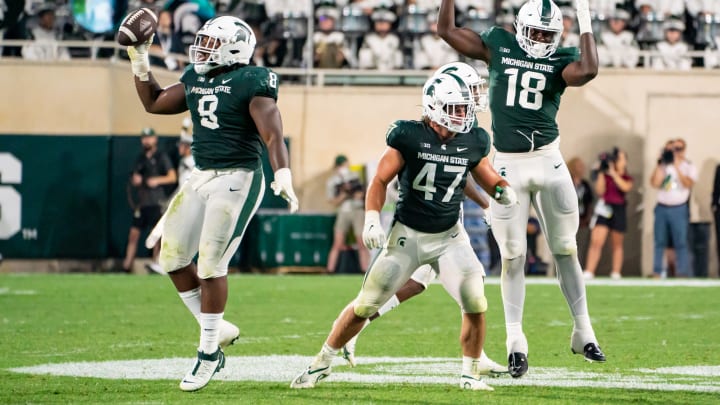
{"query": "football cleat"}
(472, 383)
(229, 334)
(517, 364)
(310, 377)
(205, 368)
(348, 351)
(490, 368)
(592, 353)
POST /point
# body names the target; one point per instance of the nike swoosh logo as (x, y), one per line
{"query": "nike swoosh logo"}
(226, 80)
(557, 165)
(455, 234)
(317, 371)
(459, 149)
(234, 189)
(553, 58)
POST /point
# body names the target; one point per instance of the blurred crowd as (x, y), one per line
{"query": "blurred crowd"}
(368, 34)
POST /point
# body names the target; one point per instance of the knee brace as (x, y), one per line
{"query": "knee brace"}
(563, 246)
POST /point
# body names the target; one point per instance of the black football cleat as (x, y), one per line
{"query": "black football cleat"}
(592, 353)
(517, 364)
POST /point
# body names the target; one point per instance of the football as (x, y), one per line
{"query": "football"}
(137, 27)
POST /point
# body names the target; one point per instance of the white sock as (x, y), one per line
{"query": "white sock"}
(389, 305)
(191, 299)
(470, 366)
(516, 341)
(325, 357)
(584, 328)
(572, 284)
(512, 282)
(210, 332)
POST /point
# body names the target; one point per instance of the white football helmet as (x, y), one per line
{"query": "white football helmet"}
(472, 79)
(539, 17)
(222, 41)
(447, 100)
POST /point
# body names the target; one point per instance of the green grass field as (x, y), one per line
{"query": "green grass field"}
(128, 339)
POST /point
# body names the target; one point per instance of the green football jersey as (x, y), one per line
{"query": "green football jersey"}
(432, 182)
(524, 92)
(224, 133)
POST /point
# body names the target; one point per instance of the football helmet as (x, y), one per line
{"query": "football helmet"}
(222, 41)
(538, 28)
(447, 100)
(472, 79)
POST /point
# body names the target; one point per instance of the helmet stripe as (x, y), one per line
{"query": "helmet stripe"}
(546, 12)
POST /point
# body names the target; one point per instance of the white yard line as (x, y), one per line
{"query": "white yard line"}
(393, 370)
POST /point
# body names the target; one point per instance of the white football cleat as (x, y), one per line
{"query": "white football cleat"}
(205, 368)
(310, 377)
(488, 367)
(348, 351)
(229, 334)
(474, 383)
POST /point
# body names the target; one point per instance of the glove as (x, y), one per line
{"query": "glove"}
(140, 59)
(282, 186)
(487, 218)
(505, 195)
(373, 234)
(583, 16)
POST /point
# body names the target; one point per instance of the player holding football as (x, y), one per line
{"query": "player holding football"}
(233, 110)
(528, 74)
(423, 276)
(432, 158)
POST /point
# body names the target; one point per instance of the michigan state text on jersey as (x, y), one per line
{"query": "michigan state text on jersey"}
(524, 92)
(435, 172)
(224, 133)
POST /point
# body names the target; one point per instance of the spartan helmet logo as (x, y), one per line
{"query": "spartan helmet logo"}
(401, 241)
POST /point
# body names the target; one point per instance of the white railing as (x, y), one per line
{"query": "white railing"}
(308, 76)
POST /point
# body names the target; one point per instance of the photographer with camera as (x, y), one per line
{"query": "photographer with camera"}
(611, 184)
(346, 192)
(673, 176)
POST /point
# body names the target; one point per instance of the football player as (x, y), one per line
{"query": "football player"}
(432, 158)
(528, 74)
(234, 111)
(424, 275)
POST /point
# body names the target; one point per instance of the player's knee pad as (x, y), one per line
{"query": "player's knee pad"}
(563, 246)
(512, 249)
(475, 305)
(205, 271)
(365, 310)
(170, 263)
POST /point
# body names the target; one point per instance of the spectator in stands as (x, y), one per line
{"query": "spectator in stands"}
(168, 40)
(288, 31)
(346, 192)
(610, 217)
(381, 48)
(674, 177)
(569, 37)
(45, 38)
(618, 47)
(673, 51)
(152, 169)
(664, 8)
(433, 51)
(328, 41)
(584, 193)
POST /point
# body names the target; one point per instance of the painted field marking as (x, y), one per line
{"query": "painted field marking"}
(390, 370)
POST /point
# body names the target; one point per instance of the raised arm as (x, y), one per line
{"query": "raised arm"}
(582, 71)
(155, 99)
(463, 40)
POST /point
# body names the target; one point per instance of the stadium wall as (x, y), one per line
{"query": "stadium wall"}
(636, 110)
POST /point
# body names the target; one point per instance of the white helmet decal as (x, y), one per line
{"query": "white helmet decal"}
(472, 79)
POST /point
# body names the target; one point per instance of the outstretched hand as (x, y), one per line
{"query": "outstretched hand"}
(140, 59)
(282, 186)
